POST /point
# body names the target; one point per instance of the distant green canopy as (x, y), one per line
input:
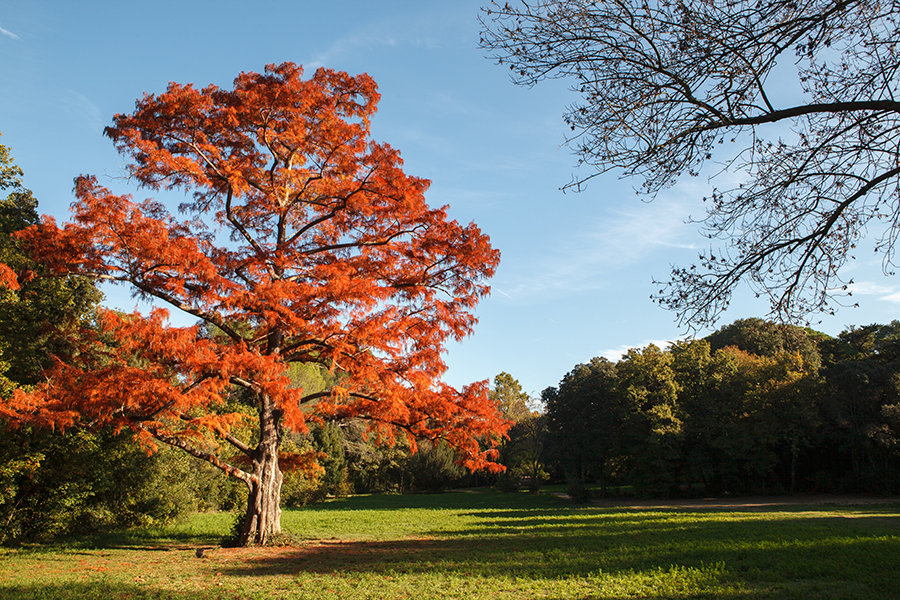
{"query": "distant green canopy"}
(768, 338)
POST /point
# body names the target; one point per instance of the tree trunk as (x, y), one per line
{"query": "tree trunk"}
(263, 517)
(603, 478)
(794, 451)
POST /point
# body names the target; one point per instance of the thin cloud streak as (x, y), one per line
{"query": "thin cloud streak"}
(379, 34)
(869, 288)
(345, 46)
(10, 34)
(616, 354)
(619, 240)
(885, 293)
(83, 111)
(626, 237)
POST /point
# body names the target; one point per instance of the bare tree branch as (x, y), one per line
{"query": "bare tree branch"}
(669, 85)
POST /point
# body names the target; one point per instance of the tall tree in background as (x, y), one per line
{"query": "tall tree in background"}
(766, 338)
(521, 451)
(667, 86)
(654, 429)
(37, 316)
(585, 417)
(302, 241)
(511, 399)
(860, 405)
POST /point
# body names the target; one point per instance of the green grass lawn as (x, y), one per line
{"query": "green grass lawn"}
(486, 545)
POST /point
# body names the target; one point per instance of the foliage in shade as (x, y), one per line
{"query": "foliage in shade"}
(303, 241)
(584, 422)
(521, 451)
(55, 483)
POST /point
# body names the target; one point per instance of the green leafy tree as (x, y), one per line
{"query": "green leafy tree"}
(529, 460)
(704, 412)
(744, 416)
(794, 412)
(371, 466)
(519, 452)
(512, 400)
(432, 468)
(767, 338)
(889, 434)
(779, 416)
(858, 449)
(585, 417)
(879, 342)
(859, 433)
(522, 454)
(63, 482)
(35, 320)
(654, 427)
(38, 317)
(329, 443)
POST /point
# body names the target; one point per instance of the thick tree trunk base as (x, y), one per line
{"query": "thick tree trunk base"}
(262, 521)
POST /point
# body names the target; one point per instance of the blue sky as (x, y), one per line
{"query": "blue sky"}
(576, 269)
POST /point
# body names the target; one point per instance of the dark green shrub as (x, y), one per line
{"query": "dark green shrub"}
(578, 492)
(433, 468)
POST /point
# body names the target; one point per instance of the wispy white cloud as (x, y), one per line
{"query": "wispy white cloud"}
(8, 33)
(870, 288)
(641, 229)
(381, 33)
(616, 354)
(885, 293)
(347, 45)
(86, 112)
(618, 239)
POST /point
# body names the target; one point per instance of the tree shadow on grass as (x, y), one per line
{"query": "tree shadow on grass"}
(141, 540)
(473, 500)
(736, 556)
(848, 553)
(863, 550)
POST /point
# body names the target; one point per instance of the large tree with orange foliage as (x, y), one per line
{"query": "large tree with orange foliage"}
(300, 240)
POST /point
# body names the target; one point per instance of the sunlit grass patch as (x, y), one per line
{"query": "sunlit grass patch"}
(488, 545)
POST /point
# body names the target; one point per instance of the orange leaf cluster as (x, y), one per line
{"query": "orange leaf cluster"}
(8, 278)
(300, 240)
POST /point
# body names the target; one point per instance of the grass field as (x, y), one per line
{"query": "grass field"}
(486, 545)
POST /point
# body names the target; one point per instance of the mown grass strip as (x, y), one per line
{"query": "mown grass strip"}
(487, 545)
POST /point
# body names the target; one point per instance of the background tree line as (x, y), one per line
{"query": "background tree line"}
(754, 408)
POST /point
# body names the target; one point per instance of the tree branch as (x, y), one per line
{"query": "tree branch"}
(212, 459)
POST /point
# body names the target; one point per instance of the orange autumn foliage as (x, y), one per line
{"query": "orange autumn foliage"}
(301, 240)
